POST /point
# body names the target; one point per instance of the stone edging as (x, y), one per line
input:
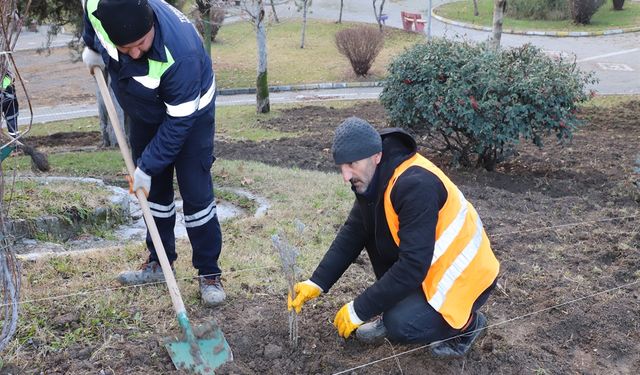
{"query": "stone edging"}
(63, 229)
(309, 86)
(535, 32)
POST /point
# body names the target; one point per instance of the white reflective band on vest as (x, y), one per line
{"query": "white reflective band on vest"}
(458, 266)
(200, 217)
(148, 82)
(188, 108)
(161, 211)
(452, 231)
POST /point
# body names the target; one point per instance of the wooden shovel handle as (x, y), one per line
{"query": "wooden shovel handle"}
(178, 304)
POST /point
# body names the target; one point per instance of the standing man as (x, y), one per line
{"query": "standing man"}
(431, 257)
(9, 104)
(163, 79)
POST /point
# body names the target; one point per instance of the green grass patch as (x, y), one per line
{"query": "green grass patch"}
(235, 54)
(242, 123)
(604, 19)
(86, 124)
(28, 199)
(83, 164)
(610, 101)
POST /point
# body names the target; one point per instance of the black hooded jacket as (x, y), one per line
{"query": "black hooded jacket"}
(417, 197)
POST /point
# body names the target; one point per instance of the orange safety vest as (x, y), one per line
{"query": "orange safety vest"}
(463, 264)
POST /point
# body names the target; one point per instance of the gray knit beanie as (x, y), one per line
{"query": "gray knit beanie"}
(355, 139)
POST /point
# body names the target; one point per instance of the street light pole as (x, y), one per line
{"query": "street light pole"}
(429, 22)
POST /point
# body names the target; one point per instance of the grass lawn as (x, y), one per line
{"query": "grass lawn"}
(235, 54)
(606, 18)
(85, 124)
(248, 259)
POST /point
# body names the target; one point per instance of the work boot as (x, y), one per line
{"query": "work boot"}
(459, 346)
(211, 291)
(372, 332)
(149, 272)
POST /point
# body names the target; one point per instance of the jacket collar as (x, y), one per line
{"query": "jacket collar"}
(397, 146)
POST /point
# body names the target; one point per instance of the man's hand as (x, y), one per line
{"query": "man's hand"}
(92, 58)
(305, 291)
(142, 181)
(347, 320)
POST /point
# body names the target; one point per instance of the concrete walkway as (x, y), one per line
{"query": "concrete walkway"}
(614, 58)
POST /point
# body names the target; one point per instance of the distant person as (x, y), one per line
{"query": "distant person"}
(163, 79)
(9, 104)
(432, 260)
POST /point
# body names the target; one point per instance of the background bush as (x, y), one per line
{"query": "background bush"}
(361, 45)
(478, 103)
(551, 10)
(216, 14)
(618, 4)
(583, 10)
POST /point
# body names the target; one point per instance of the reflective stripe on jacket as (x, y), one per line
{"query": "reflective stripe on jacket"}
(463, 264)
(6, 81)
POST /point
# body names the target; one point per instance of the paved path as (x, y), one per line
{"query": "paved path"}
(48, 114)
(614, 58)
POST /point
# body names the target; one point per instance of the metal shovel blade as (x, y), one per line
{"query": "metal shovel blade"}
(201, 354)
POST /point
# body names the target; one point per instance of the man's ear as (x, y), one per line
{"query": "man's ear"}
(377, 157)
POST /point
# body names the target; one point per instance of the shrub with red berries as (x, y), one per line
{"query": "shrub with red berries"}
(479, 103)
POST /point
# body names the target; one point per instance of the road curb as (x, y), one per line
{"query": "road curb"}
(309, 86)
(536, 32)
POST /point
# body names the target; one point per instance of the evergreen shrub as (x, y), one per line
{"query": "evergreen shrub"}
(478, 103)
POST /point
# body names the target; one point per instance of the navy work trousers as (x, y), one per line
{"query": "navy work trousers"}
(193, 172)
(414, 321)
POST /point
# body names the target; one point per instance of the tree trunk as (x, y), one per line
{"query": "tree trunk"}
(378, 13)
(304, 21)
(108, 134)
(204, 7)
(206, 18)
(262, 84)
(273, 10)
(475, 8)
(499, 8)
(340, 16)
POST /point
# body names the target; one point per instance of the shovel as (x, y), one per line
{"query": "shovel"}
(202, 354)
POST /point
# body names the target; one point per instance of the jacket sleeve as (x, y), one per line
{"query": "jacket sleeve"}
(88, 33)
(180, 90)
(343, 251)
(417, 198)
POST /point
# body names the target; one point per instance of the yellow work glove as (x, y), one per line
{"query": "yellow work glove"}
(347, 320)
(305, 291)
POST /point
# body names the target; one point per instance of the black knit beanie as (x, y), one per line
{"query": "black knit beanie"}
(125, 21)
(355, 139)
